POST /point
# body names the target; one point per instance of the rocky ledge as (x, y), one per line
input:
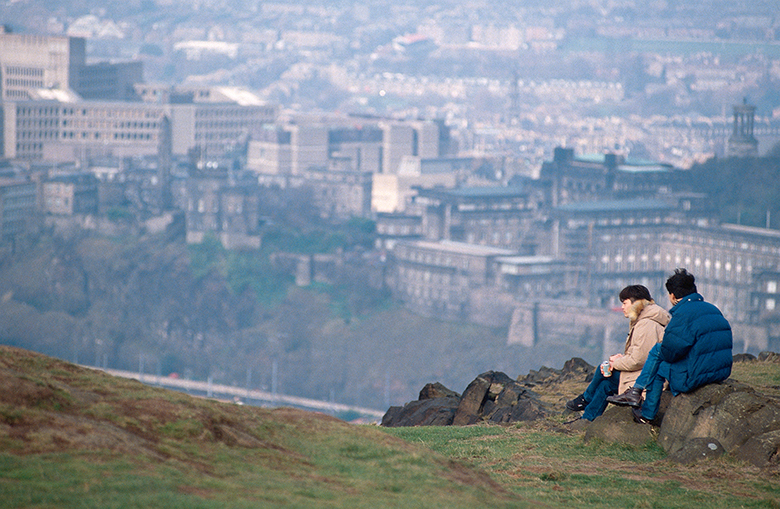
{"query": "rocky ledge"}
(729, 417)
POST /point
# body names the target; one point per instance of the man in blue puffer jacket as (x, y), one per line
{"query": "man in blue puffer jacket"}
(696, 350)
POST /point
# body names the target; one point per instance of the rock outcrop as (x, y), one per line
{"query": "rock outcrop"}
(729, 417)
(491, 397)
(743, 421)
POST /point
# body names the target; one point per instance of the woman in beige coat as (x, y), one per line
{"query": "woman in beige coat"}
(646, 328)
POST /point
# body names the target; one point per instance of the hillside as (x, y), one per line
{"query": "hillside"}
(76, 437)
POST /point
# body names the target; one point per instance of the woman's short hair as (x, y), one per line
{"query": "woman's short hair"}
(635, 293)
(681, 283)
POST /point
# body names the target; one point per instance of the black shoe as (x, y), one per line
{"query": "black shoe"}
(632, 397)
(639, 418)
(576, 404)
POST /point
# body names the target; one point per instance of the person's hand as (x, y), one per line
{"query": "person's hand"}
(612, 359)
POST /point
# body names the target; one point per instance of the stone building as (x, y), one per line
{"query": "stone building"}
(742, 143)
(569, 178)
(438, 278)
(503, 217)
(70, 194)
(230, 212)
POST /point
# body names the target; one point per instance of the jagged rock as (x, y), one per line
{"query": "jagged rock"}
(769, 357)
(514, 403)
(495, 397)
(697, 449)
(437, 390)
(730, 412)
(575, 368)
(427, 412)
(543, 375)
(492, 397)
(476, 395)
(743, 357)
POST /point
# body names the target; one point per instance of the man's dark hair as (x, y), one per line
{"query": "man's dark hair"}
(681, 283)
(635, 293)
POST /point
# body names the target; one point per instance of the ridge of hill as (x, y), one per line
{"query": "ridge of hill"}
(76, 437)
(72, 436)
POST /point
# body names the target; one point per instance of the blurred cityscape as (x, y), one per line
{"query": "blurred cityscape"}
(517, 161)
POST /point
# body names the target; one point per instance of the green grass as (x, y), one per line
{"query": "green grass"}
(561, 470)
(76, 438)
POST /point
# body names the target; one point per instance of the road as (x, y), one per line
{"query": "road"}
(241, 394)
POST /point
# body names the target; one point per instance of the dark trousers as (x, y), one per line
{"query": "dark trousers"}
(652, 381)
(597, 392)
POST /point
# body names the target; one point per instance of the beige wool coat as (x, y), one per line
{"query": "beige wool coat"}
(646, 328)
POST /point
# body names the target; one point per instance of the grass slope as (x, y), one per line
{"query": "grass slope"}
(72, 437)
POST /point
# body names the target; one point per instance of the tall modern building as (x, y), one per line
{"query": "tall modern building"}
(38, 61)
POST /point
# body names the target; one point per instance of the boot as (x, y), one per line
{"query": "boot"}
(639, 418)
(576, 404)
(632, 397)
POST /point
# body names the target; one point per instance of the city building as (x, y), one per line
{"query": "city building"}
(30, 61)
(340, 195)
(106, 81)
(230, 212)
(502, 217)
(438, 278)
(571, 179)
(288, 150)
(394, 227)
(216, 123)
(70, 194)
(18, 204)
(57, 126)
(38, 61)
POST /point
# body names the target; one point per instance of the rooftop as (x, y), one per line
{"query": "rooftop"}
(461, 248)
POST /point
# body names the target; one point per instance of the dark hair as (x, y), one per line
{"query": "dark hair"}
(635, 293)
(681, 283)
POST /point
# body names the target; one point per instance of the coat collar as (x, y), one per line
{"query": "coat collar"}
(693, 297)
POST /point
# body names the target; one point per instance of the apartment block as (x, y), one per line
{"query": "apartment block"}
(38, 61)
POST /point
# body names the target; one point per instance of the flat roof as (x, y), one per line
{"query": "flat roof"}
(629, 165)
(461, 248)
(528, 260)
(479, 192)
(616, 205)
